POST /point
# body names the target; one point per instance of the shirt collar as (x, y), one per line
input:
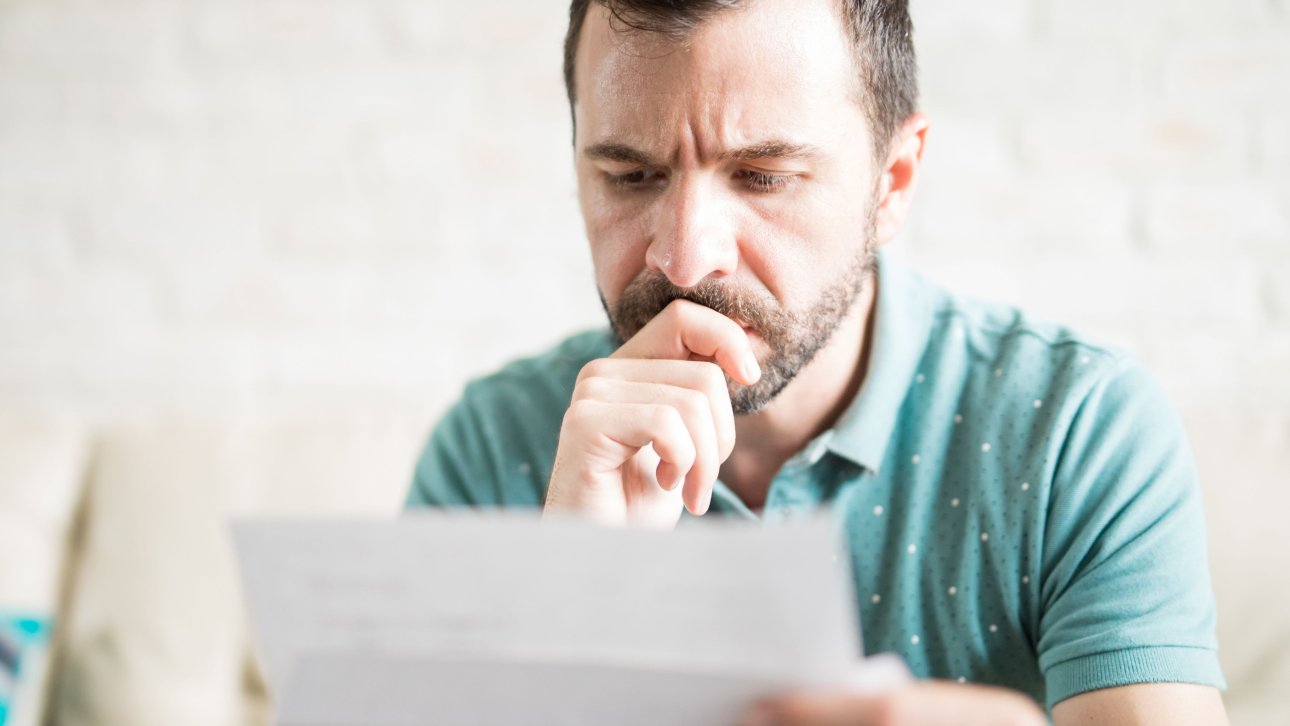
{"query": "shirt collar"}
(902, 325)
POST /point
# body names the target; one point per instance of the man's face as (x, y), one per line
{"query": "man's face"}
(732, 168)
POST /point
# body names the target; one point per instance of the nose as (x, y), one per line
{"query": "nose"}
(694, 236)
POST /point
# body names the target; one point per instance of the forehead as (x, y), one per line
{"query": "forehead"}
(767, 67)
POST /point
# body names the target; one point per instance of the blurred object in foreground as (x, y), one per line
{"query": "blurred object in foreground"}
(509, 619)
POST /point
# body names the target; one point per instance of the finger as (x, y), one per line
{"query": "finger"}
(696, 412)
(815, 710)
(927, 702)
(685, 328)
(705, 378)
(611, 433)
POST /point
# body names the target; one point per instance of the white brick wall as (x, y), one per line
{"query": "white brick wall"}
(216, 205)
(223, 207)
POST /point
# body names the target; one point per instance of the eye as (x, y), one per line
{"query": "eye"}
(762, 182)
(634, 180)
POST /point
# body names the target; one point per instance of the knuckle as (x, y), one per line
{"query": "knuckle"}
(668, 422)
(680, 311)
(666, 417)
(578, 412)
(694, 404)
(712, 378)
(590, 388)
(594, 369)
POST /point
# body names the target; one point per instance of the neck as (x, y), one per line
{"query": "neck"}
(807, 407)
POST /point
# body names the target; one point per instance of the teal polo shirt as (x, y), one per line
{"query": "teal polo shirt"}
(1021, 504)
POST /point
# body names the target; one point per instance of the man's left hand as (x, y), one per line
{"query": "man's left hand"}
(924, 703)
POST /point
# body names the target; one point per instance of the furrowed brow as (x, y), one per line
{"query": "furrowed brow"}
(771, 150)
(774, 149)
(620, 153)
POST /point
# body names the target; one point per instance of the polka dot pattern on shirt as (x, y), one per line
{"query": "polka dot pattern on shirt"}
(943, 476)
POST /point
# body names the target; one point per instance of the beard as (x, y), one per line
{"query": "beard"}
(794, 337)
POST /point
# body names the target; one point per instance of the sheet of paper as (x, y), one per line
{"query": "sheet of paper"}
(502, 619)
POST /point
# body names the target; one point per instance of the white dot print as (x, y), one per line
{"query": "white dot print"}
(914, 639)
(912, 549)
(998, 372)
(985, 447)
(876, 599)
(877, 511)
(920, 378)
(953, 590)
(1025, 579)
(1039, 403)
(954, 502)
(985, 536)
(994, 628)
(1025, 486)
(1084, 360)
(958, 418)
(915, 458)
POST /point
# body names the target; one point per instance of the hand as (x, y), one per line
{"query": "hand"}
(649, 427)
(923, 703)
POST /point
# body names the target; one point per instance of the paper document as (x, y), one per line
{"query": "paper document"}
(502, 619)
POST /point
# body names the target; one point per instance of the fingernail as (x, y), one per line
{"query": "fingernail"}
(752, 369)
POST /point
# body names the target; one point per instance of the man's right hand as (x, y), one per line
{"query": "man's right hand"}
(649, 427)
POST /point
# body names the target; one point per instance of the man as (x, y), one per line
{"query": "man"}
(1021, 505)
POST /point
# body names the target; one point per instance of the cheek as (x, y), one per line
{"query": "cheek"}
(781, 247)
(615, 267)
(800, 248)
(618, 241)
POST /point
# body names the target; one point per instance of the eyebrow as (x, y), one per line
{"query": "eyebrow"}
(773, 149)
(621, 153)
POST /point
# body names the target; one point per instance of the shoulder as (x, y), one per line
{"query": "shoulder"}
(1007, 359)
(1049, 401)
(495, 445)
(539, 383)
(1084, 417)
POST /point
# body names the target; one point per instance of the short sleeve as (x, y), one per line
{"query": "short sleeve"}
(1126, 595)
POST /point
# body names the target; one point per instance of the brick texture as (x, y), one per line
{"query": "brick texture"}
(309, 203)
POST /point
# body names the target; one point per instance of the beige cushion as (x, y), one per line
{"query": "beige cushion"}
(157, 633)
(42, 464)
(1244, 462)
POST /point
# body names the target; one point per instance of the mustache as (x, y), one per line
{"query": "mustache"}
(646, 297)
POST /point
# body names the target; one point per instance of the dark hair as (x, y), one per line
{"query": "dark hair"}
(880, 30)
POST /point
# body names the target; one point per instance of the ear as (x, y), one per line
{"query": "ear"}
(899, 177)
